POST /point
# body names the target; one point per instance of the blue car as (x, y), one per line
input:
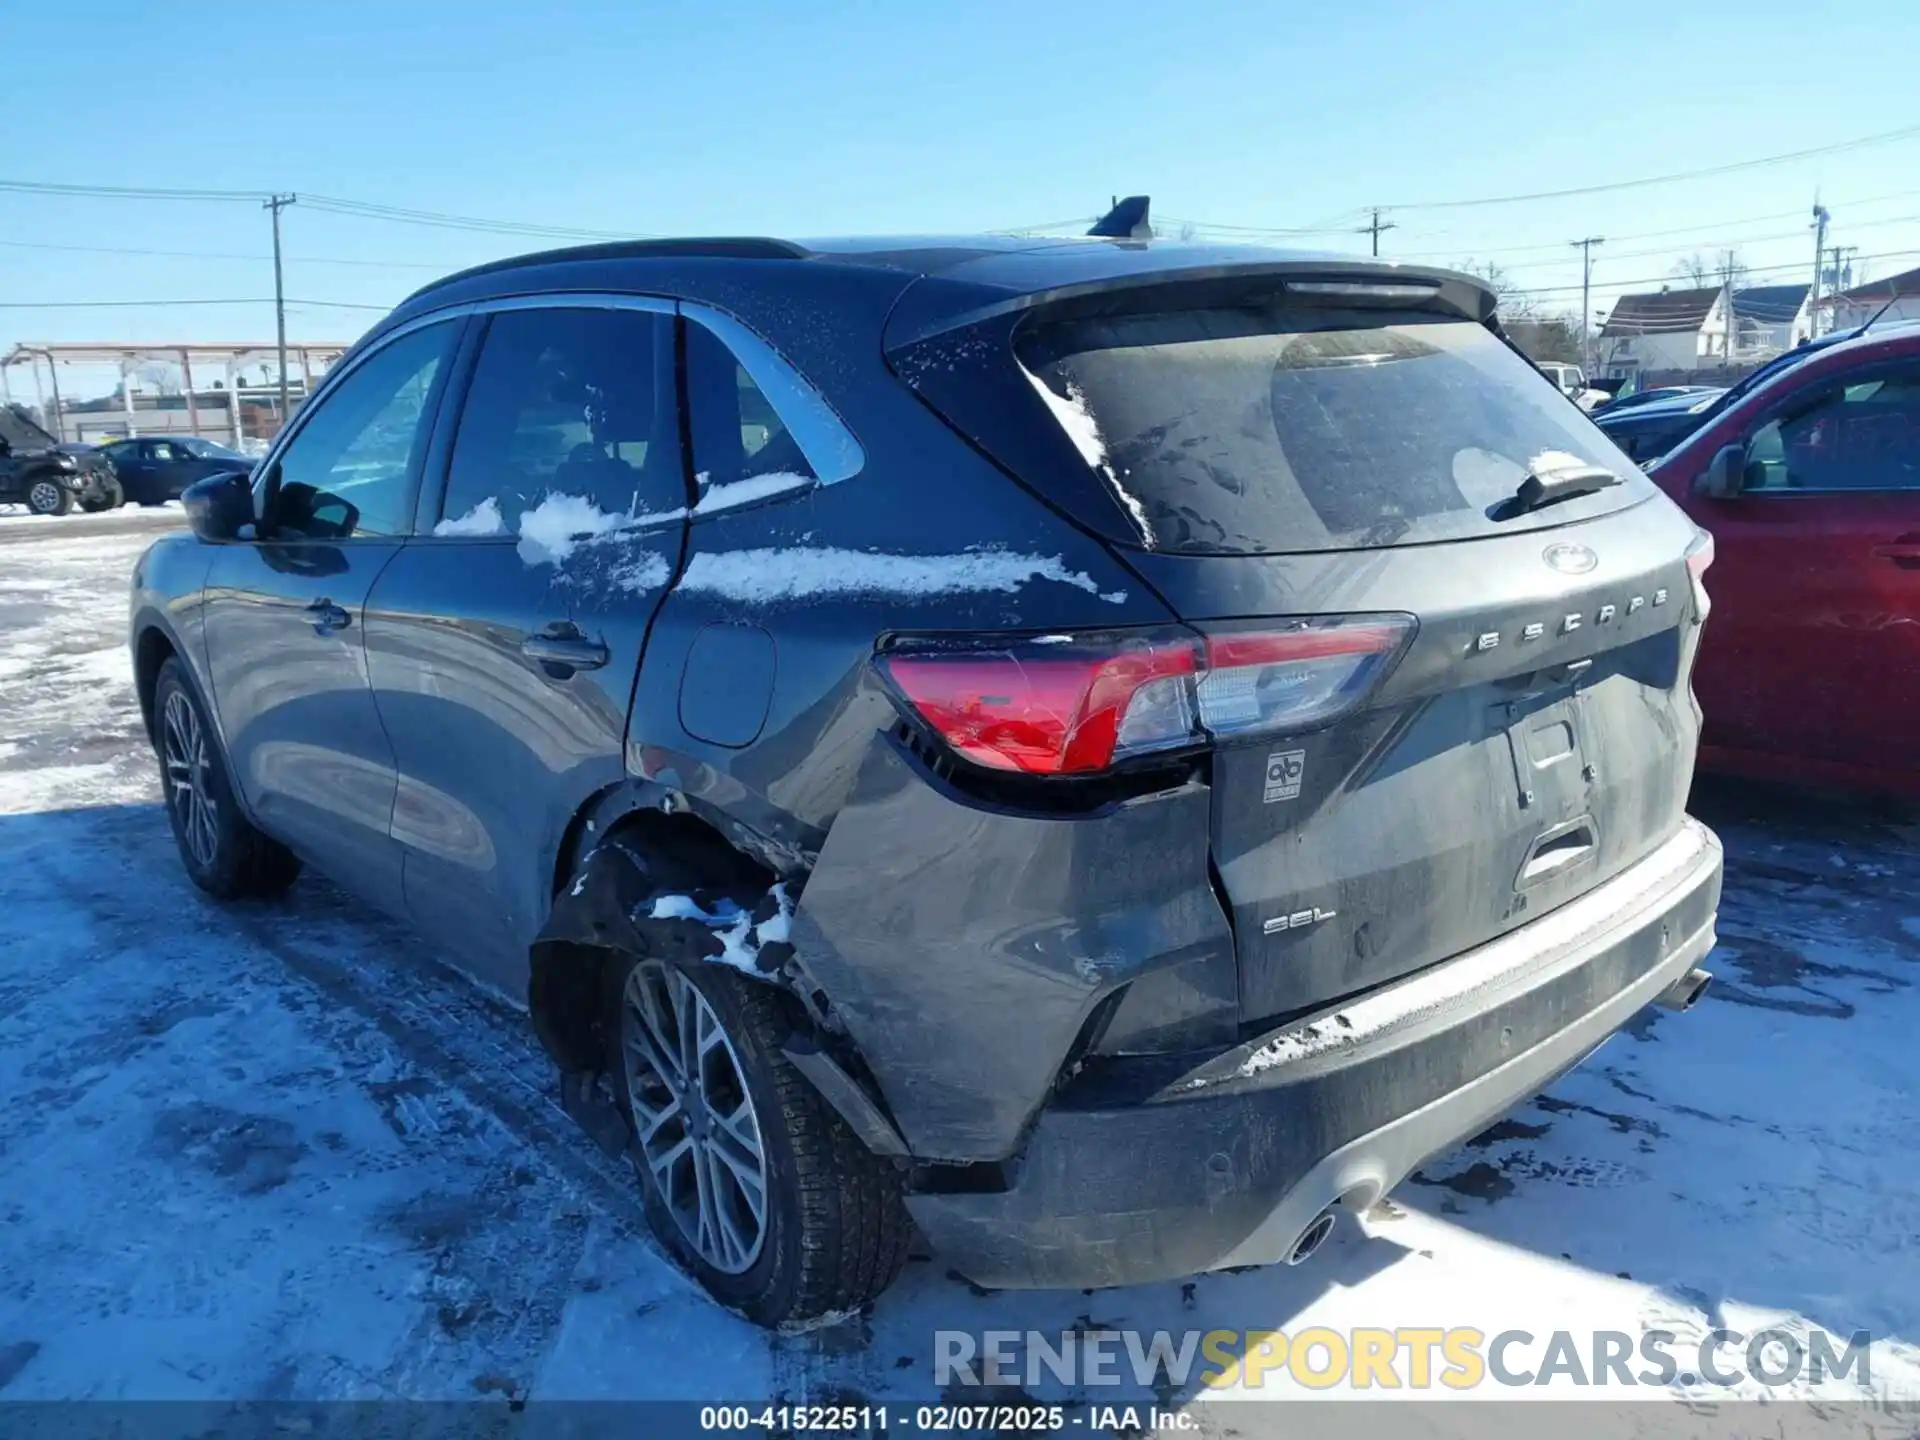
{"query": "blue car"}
(1648, 430)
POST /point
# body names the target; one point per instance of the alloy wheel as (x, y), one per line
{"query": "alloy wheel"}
(184, 755)
(699, 1135)
(44, 497)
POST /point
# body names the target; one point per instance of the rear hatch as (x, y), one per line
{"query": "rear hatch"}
(1445, 627)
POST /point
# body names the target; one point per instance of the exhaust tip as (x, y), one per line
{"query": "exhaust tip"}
(1312, 1238)
(1685, 992)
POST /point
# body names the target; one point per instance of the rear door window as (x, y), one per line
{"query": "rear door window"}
(571, 403)
(738, 435)
(1275, 429)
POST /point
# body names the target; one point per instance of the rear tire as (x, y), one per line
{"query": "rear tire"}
(224, 854)
(49, 497)
(832, 1231)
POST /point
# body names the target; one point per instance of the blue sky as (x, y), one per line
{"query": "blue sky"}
(825, 118)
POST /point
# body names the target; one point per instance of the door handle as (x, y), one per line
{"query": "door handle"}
(564, 649)
(328, 618)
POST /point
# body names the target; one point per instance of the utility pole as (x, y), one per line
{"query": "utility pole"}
(1376, 227)
(276, 204)
(59, 420)
(1585, 247)
(1819, 257)
(1843, 267)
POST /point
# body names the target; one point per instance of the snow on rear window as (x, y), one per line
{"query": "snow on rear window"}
(1272, 429)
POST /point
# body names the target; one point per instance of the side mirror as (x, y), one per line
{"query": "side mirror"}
(1722, 478)
(219, 506)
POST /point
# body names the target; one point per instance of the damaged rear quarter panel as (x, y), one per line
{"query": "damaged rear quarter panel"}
(965, 947)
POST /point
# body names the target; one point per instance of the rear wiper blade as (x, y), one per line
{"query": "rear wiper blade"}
(1546, 487)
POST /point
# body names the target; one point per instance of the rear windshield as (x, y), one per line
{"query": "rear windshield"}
(1276, 430)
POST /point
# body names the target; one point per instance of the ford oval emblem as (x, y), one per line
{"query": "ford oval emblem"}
(1570, 559)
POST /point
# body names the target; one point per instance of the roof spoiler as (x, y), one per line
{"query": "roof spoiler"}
(1127, 220)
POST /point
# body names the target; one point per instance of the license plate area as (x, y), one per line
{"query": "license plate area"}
(1545, 744)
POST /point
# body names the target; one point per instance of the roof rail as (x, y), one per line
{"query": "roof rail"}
(721, 247)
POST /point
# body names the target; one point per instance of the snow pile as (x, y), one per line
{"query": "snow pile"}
(1549, 463)
(804, 572)
(1292, 1045)
(643, 572)
(744, 492)
(1071, 413)
(742, 937)
(483, 519)
(555, 528)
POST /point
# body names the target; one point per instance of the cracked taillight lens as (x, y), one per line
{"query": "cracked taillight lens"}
(1074, 704)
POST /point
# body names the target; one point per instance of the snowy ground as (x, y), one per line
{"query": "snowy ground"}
(279, 1152)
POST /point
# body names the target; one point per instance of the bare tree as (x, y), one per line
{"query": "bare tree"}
(1697, 270)
(1511, 301)
(158, 378)
(1706, 272)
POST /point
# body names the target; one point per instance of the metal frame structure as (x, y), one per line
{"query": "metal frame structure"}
(231, 357)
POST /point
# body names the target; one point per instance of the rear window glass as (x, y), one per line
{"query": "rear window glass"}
(1272, 430)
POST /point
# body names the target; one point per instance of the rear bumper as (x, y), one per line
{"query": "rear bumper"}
(1229, 1162)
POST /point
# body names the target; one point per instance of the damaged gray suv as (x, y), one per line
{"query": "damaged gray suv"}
(1098, 752)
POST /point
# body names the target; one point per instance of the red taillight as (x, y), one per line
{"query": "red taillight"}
(1699, 557)
(1074, 704)
(1052, 706)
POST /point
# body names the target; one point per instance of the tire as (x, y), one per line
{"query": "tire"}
(224, 854)
(48, 497)
(834, 1230)
(110, 499)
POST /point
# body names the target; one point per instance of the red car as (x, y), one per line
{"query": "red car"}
(1810, 486)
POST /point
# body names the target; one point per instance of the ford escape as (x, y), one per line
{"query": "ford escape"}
(1102, 752)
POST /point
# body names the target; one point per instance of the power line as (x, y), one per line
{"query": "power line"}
(119, 304)
(128, 192)
(367, 210)
(1723, 243)
(333, 204)
(1656, 279)
(1797, 214)
(158, 304)
(219, 255)
(1884, 138)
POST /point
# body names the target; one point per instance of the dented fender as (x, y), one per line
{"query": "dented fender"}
(623, 906)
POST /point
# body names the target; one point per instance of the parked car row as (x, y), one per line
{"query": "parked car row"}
(52, 479)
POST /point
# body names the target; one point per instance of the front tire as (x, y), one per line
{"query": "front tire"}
(49, 497)
(224, 854)
(750, 1178)
(110, 499)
